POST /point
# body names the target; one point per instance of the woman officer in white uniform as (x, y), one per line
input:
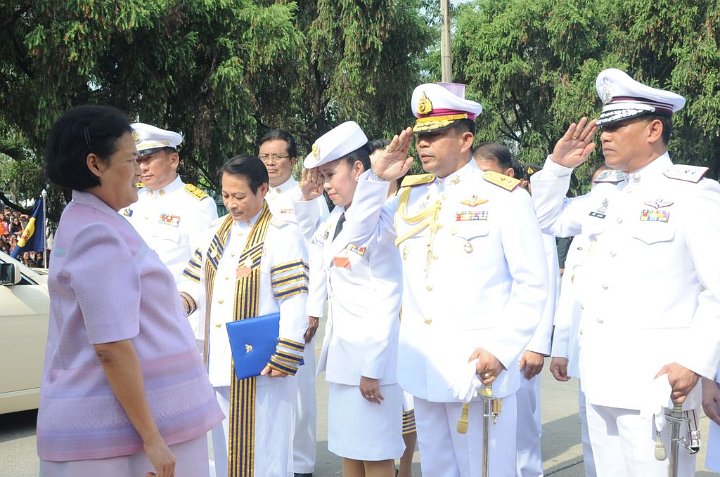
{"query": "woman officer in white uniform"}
(363, 286)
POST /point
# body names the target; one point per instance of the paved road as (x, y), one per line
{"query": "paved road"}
(561, 436)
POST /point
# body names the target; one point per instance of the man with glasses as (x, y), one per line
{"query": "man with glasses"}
(168, 214)
(278, 151)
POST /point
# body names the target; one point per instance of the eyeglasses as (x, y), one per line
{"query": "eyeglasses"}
(274, 157)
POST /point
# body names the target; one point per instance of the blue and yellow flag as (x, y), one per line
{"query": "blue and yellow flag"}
(33, 237)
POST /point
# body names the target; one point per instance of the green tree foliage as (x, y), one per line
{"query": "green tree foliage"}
(533, 64)
(219, 71)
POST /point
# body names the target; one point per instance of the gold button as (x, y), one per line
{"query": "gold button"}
(218, 324)
(221, 301)
(428, 287)
(428, 321)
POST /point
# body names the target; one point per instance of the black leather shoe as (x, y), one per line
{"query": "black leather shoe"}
(303, 475)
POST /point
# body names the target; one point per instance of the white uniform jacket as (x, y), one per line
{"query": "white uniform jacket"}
(567, 312)
(282, 201)
(283, 245)
(363, 287)
(476, 277)
(172, 221)
(650, 286)
(541, 339)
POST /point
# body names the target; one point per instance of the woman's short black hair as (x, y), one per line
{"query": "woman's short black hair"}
(496, 152)
(376, 144)
(77, 133)
(249, 166)
(282, 135)
(361, 154)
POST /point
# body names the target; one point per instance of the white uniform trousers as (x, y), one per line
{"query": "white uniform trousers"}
(274, 422)
(304, 442)
(712, 459)
(445, 453)
(529, 428)
(588, 459)
(623, 444)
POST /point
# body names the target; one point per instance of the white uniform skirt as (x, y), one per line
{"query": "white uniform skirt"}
(362, 430)
(191, 460)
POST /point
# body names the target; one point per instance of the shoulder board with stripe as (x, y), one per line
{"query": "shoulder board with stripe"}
(685, 173)
(610, 176)
(501, 180)
(419, 179)
(195, 192)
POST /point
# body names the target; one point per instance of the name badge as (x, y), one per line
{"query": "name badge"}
(341, 262)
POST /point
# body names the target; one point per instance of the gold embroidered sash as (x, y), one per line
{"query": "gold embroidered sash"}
(241, 454)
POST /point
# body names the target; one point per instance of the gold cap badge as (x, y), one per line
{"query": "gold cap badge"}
(316, 151)
(424, 105)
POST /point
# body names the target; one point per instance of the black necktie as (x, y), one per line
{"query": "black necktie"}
(339, 225)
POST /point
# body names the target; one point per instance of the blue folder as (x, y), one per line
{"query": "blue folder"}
(253, 342)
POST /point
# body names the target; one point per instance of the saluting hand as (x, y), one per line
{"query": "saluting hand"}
(681, 379)
(711, 399)
(393, 162)
(311, 183)
(576, 145)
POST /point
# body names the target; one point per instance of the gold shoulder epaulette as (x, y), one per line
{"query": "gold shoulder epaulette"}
(410, 181)
(501, 180)
(195, 192)
(685, 173)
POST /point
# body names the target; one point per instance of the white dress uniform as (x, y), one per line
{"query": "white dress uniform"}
(712, 459)
(475, 277)
(649, 291)
(280, 199)
(565, 335)
(172, 220)
(275, 398)
(363, 290)
(529, 430)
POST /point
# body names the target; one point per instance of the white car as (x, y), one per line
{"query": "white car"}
(24, 310)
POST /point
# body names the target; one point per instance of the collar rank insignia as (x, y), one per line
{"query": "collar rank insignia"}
(127, 212)
(410, 181)
(473, 201)
(611, 176)
(501, 180)
(658, 203)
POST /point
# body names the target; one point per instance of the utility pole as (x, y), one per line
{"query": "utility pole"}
(445, 50)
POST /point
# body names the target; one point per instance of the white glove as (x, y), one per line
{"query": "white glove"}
(465, 385)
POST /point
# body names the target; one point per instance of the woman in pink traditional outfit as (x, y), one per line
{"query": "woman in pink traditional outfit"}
(124, 392)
